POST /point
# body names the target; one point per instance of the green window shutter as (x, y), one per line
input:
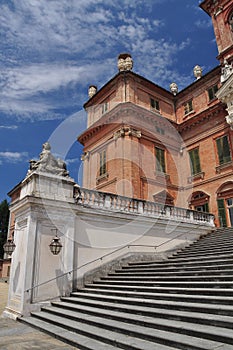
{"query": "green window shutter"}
(154, 104)
(226, 150)
(222, 213)
(160, 160)
(211, 94)
(212, 91)
(190, 103)
(220, 150)
(102, 163)
(195, 161)
(206, 207)
(223, 148)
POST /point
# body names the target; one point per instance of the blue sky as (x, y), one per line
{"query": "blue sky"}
(52, 50)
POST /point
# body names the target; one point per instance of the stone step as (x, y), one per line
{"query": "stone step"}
(227, 235)
(201, 244)
(115, 319)
(131, 335)
(174, 272)
(176, 290)
(156, 293)
(200, 259)
(203, 252)
(215, 238)
(217, 309)
(218, 234)
(227, 258)
(160, 283)
(90, 306)
(195, 276)
(209, 249)
(71, 338)
(178, 268)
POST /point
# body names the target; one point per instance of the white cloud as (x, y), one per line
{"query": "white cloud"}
(58, 47)
(30, 80)
(13, 157)
(203, 24)
(8, 127)
(72, 161)
(24, 89)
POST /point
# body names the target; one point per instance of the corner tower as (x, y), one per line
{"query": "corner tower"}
(131, 144)
(221, 12)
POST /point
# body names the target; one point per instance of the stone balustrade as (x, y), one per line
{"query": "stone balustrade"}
(117, 203)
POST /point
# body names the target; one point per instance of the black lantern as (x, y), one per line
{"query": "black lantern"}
(9, 247)
(55, 245)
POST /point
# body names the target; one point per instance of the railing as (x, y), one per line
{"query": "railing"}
(113, 202)
(109, 254)
(121, 204)
(91, 262)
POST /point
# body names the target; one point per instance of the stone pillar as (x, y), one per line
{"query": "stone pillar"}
(21, 265)
(45, 205)
(36, 217)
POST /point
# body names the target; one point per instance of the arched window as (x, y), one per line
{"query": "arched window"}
(225, 204)
(199, 201)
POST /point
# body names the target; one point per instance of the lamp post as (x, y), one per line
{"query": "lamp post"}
(55, 246)
(9, 246)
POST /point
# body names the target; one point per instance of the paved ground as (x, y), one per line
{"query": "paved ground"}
(16, 336)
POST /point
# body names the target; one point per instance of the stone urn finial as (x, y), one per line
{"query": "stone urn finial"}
(92, 90)
(174, 88)
(197, 71)
(125, 62)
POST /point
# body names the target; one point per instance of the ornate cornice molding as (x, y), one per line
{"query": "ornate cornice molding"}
(128, 113)
(127, 131)
(202, 117)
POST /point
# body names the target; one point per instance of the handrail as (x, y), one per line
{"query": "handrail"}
(90, 262)
(108, 254)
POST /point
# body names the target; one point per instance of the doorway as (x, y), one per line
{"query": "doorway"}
(230, 210)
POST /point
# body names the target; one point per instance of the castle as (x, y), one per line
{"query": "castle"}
(157, 176)
(172, 147)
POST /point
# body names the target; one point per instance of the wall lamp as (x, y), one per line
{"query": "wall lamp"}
(55, 246)
(9, 247)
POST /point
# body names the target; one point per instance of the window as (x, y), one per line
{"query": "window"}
(204, 208)
(102, 168)
(212, 91)
(160, 160)
(230, 210)
(104, 107)
(188, 107)
(223, 148)
(231, 21)
(195, 161)
(222, 212)
(154, 104)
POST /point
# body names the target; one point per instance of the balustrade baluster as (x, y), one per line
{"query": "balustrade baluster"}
(114, 202)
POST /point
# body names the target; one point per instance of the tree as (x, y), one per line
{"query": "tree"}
(4, 220)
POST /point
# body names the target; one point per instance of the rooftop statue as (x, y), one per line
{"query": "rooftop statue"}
(48, 163)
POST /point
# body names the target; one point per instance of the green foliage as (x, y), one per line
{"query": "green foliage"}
(4, 220)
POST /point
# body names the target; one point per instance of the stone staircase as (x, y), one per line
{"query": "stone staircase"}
(184, 302)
